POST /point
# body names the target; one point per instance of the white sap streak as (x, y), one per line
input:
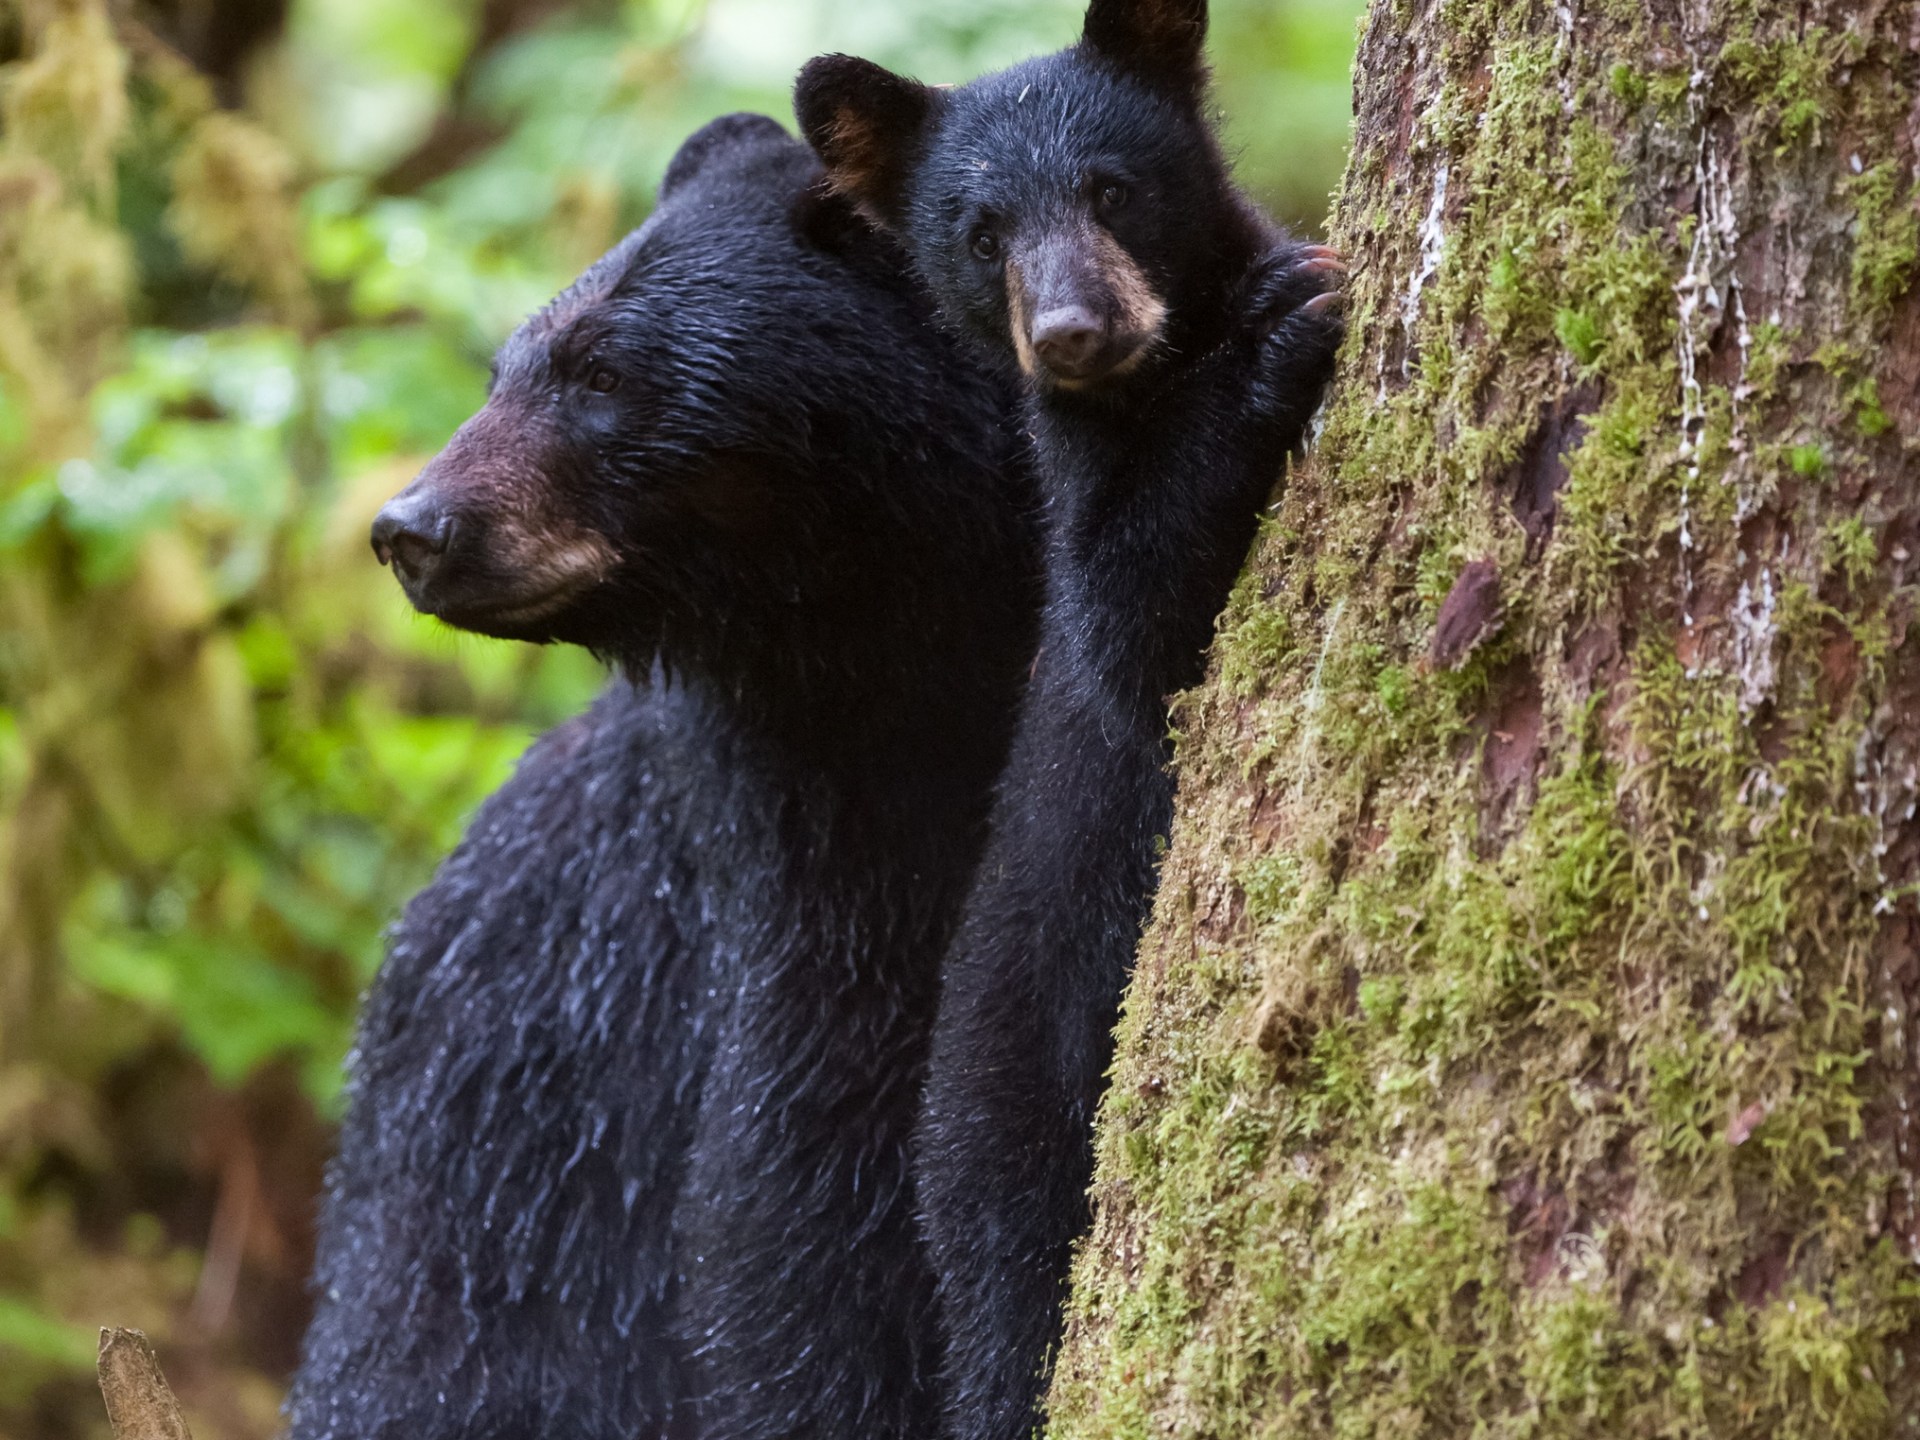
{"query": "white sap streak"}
(1702, 294)
(1317, 426)
(1562, 47)
(1315, 700)
(1753, 622)
(1316, 697)
(1433, 244)
(1887, 784)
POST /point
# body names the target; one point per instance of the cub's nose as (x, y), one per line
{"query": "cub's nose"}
(411, 534)
(1068, 340)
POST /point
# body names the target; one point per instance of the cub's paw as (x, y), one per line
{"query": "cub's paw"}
(1295, 309)
(1295, 281)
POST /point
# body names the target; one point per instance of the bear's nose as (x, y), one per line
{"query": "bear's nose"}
(411, 533)
(1068, 340)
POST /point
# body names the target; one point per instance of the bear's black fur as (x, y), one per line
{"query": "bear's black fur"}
(626, 1148)
(1074, 215)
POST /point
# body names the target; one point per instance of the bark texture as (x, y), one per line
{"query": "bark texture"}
(1522, 1045)
(140, 1403)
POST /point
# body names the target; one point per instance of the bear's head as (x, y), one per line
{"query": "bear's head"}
(1065, 211)
(671, 450)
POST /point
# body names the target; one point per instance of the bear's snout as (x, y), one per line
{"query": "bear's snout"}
(411, 533)
(1069, 339)
(480, 540)
(1081, 307)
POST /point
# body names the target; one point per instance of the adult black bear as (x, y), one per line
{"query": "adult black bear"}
(626, 1148)
(1075, 215)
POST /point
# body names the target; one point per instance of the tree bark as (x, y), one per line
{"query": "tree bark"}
(140, 1403)
(1522, 1044)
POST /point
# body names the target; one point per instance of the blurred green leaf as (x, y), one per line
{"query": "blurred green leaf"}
(24, 511)
(235, 1007)
(31, 1335)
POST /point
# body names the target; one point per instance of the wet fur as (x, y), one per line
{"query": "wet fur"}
(625, 1154)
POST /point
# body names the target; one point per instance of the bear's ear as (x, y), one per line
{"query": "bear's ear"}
(729, 133)
(1161, 41)
(866, 124)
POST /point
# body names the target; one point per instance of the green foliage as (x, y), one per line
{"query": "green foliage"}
(227, 749)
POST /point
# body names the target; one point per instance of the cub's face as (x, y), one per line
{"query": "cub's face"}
(1051, 215)
(1053, 207)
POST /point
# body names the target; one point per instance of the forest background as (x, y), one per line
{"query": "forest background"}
(254, 257)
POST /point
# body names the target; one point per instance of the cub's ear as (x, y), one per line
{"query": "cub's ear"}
(739, 132)
(866, 124)
(1162, 41)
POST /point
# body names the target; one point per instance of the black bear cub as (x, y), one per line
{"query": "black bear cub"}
(626, 1153)
(1075, 216)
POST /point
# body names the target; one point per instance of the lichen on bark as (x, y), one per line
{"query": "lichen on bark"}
(1522, 1042)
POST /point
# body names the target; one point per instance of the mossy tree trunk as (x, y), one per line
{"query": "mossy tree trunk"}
(1522, 1045)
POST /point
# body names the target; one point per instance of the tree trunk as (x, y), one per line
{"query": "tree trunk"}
(1522, 1042)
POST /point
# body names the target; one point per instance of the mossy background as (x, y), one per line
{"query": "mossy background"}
(254, 257)
(1522, 1045)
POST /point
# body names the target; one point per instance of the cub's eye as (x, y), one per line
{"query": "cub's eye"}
(1113, 196)
(602, 381)
(986, 245)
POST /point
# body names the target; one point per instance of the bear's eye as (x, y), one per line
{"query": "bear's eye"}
(602, 381)
(1113, 195)
(986, 245)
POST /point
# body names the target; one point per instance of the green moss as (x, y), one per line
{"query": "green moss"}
(1255, 637)
(1886, 240)
(1628, 85)
(1852, 550)
(1669, 90)
(1811, 1346)
(1397, 1311)
(1768, 352)
(1393, 687)
(1808, 461)
(1864, 399)
(1611, 483)
(1787, 81)
(1271, 884)
(1579, 333)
